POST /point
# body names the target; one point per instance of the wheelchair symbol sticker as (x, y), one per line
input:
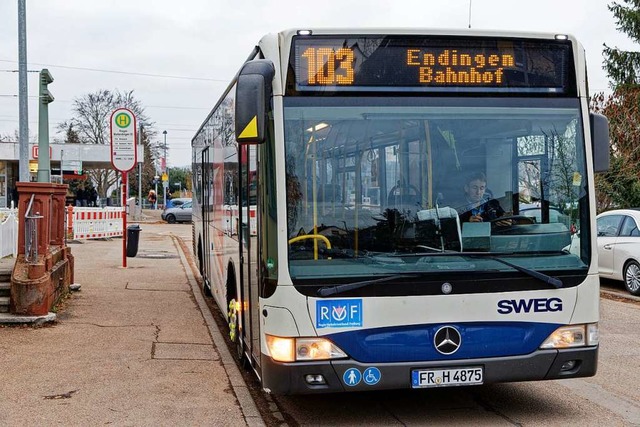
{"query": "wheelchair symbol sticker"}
(351, 377)
(371, 376)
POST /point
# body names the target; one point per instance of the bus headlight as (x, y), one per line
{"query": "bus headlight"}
(284, 349)
(317, 349)
(572, 336)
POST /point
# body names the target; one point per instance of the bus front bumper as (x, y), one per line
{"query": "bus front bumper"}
(292, 378)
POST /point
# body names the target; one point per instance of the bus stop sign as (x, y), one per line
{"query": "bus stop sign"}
(123, 140)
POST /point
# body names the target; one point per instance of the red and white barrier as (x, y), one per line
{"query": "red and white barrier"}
(94, 223)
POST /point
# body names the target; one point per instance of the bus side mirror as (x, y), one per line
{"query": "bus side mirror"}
(600, 141)
(253, 94)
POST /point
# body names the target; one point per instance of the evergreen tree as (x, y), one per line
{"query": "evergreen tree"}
(623, 67)
(620, 186)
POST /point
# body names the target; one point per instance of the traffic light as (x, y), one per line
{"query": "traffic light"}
(45, 79)
(45, 98)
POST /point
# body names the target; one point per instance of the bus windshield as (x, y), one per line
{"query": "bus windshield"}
(400, 185)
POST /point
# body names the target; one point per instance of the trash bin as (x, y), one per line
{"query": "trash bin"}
(133, 235)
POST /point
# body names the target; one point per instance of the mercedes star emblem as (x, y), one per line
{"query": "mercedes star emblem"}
(447, 340)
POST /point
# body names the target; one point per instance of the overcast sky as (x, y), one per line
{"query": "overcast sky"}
(206, 41)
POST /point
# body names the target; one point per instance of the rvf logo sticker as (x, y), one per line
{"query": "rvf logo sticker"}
(342, 313)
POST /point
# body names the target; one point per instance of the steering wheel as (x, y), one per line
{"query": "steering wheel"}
(406, 194)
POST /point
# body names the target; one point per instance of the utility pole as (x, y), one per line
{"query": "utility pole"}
(22, 93)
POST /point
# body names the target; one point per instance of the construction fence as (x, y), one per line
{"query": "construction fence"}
(94, 223)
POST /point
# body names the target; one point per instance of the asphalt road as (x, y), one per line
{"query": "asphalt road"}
(611, 398)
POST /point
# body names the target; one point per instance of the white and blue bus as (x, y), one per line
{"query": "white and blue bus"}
(328, 182)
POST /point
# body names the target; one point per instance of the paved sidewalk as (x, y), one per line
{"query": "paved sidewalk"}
(131, 348)
(148, 215)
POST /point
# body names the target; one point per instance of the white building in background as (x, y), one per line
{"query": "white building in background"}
(74, 157)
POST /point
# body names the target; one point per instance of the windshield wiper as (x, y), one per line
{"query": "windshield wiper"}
(557, 283)
(336, 289)
(326, 291)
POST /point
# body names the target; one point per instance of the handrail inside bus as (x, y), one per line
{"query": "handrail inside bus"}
(312, 236)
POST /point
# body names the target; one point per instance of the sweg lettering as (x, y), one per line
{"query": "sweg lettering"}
(537, 305)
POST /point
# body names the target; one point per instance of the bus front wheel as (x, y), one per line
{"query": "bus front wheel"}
(234, 330)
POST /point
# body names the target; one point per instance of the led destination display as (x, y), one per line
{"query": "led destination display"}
(393, 63)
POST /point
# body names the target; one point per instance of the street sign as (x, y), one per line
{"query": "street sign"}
(165, 177)
(123, 140)
(71, 165)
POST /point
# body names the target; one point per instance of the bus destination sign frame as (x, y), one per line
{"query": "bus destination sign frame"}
(430, 64)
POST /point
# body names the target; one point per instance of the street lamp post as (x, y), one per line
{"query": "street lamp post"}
(166, 170)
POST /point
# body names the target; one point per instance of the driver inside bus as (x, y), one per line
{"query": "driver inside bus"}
(478, 205)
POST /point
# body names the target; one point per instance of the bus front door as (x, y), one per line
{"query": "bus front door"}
(250, 334)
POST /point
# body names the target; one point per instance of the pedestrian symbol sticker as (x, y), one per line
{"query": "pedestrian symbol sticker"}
(351, 377)
(371, 376)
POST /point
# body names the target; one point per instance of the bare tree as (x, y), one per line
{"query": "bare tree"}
(90, 125)
(7, 138)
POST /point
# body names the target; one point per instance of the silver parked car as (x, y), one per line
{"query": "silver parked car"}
(178, 201)
(534, 210)
(619, 247)
(180, 213)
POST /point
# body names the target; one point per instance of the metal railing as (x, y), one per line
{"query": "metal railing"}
(31, 234)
